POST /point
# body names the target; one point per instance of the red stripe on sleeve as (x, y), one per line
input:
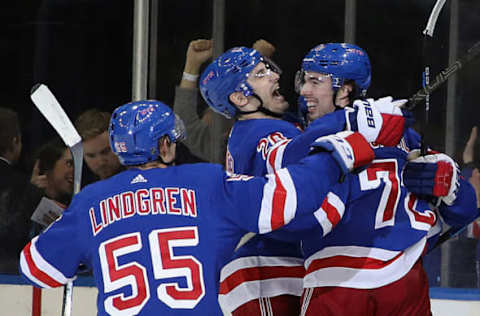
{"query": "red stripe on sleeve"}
(332, 213)
(35, 271)
(271, 158)
(278, 204)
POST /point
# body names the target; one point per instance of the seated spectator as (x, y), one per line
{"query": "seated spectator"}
(92, 125)
(18, 197)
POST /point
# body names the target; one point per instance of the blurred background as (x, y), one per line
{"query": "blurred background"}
(84, 51)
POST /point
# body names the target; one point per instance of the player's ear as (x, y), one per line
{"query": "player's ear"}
(238, 99)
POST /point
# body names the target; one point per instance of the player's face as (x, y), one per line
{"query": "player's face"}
(318, 93)
(60, 178)
(99, 156)
(264, 82)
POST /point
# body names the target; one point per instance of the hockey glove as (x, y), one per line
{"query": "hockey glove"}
(349, 149)
(381, 121)
(434, 175)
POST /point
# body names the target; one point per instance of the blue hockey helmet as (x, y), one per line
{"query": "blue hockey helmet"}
(136, 127)
(341, 61)
(227, 74)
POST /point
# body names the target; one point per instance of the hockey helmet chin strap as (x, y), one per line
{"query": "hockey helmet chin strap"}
(261, 108)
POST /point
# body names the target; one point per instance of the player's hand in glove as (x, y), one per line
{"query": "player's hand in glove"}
(380, 121)
(349, 149)
(434, 175)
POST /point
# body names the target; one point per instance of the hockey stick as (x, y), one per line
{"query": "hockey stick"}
(450, 233)
(48, 105)
(427, 38)
(472, 54)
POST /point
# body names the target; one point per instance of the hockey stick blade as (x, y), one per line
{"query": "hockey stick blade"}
(472, 54)
(53, 112)
(48, 105)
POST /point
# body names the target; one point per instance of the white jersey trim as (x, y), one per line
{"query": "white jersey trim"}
(279, 198)
(251, 290)
(255, 289)
(360, 278)
(275, 156)
(41, 264)
(330, 213)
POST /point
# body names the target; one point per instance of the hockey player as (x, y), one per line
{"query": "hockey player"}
(266, 274)
(331, 77)
(156, 235)
(370, 264)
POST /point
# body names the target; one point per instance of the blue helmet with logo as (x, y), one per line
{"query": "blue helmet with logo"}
(227, 74)
(136, 127)
(341, 61)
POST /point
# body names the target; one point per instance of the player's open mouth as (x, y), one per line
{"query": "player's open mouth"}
(311, 104)
(276, 93)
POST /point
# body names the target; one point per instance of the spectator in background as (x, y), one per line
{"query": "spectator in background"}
(18, 197)
(92, 125)
(56, 163)
(471, 172)
(198, 126)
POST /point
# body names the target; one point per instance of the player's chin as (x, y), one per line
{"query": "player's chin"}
(281, 103)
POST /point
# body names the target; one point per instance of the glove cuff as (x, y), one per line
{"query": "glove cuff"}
(362, 151)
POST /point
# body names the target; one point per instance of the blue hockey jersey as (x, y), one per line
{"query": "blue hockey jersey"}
(156, 239)
(384, 229)
(263, 266)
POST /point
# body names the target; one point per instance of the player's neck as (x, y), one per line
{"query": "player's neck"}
(151, 165)
(256, 115)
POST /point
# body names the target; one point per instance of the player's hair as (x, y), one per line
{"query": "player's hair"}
(9, 128)
(48, 154)
(92, 123)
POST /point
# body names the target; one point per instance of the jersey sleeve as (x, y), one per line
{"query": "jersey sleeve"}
(323, 220)
(412, 139)
(464, 210)
(264, 204)
(288, 151)
(51, 259)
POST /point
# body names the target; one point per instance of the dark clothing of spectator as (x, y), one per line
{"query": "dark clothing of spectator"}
(18, 200)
